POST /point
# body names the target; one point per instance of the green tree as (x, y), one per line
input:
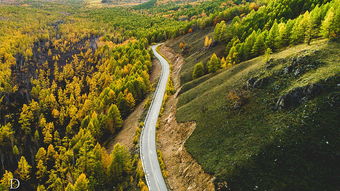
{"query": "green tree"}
(267, 54)
(94, 125)
(120, 167)
(233, 56)
(316, 18)
(114, 119)
(213, 64)
(220, 31)
(329, 25)
(285, 35)
(307, 20)
(259, 45)
(298, 31)
(273, 36)
(247, 46)
(198, 70)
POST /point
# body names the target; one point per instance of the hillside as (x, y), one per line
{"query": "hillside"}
(264, 120)
(257, 118)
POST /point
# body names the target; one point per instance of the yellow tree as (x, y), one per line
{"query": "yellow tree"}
(82, 183)
(41, 170)
(23, 169)
(5, 181)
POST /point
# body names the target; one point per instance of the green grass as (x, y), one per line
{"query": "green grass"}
(257, 146)
(147, 5)
(196, 52)
(195, 82)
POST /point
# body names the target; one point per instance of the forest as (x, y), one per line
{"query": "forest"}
(270, 29)
(70, 75)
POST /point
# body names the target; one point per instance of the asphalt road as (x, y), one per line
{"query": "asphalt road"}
(152, 170)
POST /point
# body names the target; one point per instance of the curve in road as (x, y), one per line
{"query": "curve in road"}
(152, 170)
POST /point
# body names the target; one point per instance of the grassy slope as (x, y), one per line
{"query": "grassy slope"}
(195, 52)
(257, 146)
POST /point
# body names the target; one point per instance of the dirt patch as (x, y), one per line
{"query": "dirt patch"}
(184, 173)
(125, 136)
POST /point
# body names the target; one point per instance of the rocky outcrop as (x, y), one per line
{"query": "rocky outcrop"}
(298, 95)
(300, 64)
(256, 82)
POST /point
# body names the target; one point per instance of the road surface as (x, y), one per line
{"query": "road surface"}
(152, 170)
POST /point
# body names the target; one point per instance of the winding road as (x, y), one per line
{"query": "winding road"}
(152, 170)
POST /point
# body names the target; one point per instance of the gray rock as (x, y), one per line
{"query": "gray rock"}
(256, 82)
(297, 96)
(297, 72)
(251, 82)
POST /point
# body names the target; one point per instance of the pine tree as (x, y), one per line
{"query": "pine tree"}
(54, 181)
(41, 188)
(316, 18)
(15, 150)
(198, 70)
(82, 183)
(272, 37)
(26, 118)
(142, 185)
(6, 134)
(267, 54)
(94, 125)
(41, 170)
(24, 169)
(5, 180)
(259, 45)
(232, 43)
(282, 35)
(224, 63)
(220, 31)
(247, 46)
(41, 155)
(328, 26)
(233, 56)
(207, 42)
(285, 36)
(114, 119)
(120, 167)
(70, 187)
(213, 64)
(298, 32)
(51, 153)
(307, 20)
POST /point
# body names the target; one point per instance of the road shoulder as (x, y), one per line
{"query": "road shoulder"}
(185, 173)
